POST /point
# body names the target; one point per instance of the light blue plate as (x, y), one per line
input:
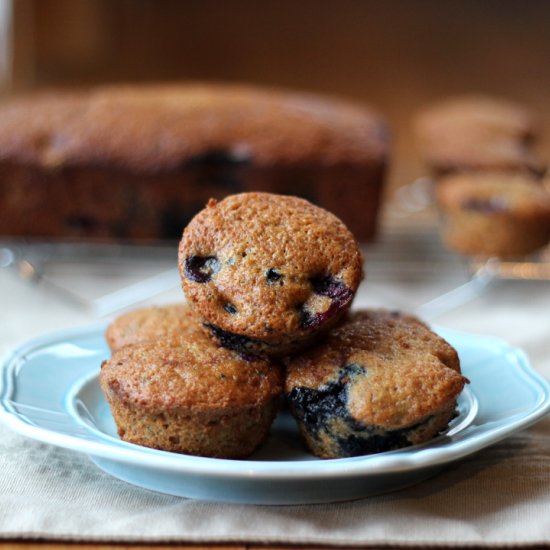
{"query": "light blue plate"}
(49, 391)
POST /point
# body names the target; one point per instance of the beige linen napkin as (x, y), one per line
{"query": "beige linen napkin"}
(498, 496)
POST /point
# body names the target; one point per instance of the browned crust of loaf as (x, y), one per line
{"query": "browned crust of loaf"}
(518, 225)
(161, 127)
(251, 233)
(412, 373)
(170, 323)
(196, 376)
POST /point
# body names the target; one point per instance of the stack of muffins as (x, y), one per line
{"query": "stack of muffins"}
(269, 281)
(488, 178)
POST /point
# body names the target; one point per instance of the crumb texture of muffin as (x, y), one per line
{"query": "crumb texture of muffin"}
(380, 381)
(170, 323)
(193, 398)
(268, 272)
(494, 214)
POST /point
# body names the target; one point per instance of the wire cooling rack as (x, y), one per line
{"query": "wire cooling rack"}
(106, 278)
(101, 278)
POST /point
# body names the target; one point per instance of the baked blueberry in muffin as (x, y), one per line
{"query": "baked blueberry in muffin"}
(193, 397)
(380, 381)
(268, 273)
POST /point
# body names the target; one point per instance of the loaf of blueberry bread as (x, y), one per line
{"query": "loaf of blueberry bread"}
(138, 162)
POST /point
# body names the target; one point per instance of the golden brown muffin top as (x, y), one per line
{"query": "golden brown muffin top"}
(493, 193)
(476, 132)
(152, 128)
(400, 371)
(169, 323)
(267, 265)
(487, 114)
(196, 374)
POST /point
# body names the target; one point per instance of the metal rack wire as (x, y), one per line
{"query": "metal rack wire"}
(402, 253)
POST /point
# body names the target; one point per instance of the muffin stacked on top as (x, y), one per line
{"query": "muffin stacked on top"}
(268, 273)
(480, 151)
(270, 280)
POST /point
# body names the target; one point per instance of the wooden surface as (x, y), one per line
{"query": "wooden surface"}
(76, 546)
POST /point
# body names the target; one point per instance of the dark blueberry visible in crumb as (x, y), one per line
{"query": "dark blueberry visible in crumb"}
(171, 221)
(227, 182)
(200, 269)
(221, 178)
(307, 318)
(249, 357)
(220, 158)
(353, 369)
(317, 407)
(354, 445)
(272, 275)
(299, 187)
(233, 341)
(221, 168)
(491, 205)
(120, 229)
(175, 217)
(230, 308)
(84, 223)
(327, 286)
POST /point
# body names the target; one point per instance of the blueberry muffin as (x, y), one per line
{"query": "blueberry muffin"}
(193, 398)
(380, 381)
(494, 214)
(152, 324)
(268, 273)
(473, 133)
(139, 161)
